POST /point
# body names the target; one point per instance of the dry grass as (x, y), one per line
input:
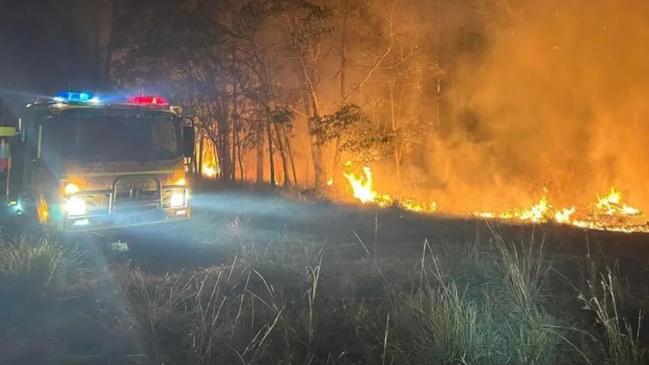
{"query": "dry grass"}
(297, 303)
(621, 335)
(37, 264)
(294, 302)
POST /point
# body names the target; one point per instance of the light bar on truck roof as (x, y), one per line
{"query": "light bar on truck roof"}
(76, 97)
(148, 100)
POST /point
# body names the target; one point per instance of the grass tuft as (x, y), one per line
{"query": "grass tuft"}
(622, 337)
(37, 264)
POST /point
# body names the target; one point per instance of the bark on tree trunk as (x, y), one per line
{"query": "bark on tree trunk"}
(233, 155)
(289, 151)
(270, 154)
(260, 160)
(393, 127)
(282, 153)
(311, 103)
(216, 158)
(343, 87)
(201, 147)
(242, 171)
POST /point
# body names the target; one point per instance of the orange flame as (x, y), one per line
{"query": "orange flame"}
(609, 205)
(363, 190)
(209, 171)
(563, 216)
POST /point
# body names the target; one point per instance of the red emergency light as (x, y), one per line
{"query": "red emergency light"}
(148, 100)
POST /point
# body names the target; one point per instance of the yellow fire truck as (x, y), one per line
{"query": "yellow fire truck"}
(78, 163)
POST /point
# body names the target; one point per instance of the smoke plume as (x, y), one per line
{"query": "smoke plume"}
(558, 101)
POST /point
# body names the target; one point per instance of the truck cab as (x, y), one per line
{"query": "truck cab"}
(82, 164)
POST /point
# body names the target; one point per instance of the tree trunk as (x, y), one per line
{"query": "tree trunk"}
(269, 133)
(240, 160)
(233, 155)
(201, 147)
(215, 149)
(260, 160)
(289, 151)
(311, 103)
(282, 154)
(343, 87)
(223, 123)
(393, 127)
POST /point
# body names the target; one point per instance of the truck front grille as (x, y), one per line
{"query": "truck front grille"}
(136, 192)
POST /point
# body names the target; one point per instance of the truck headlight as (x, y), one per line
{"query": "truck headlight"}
(70, 189)
(75, 206)
(177, 199)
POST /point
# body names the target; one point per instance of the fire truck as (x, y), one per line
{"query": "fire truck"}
(82, 163)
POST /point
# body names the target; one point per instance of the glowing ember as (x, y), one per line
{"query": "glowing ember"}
(611, 204)
(209, 171)
(537, 213)
(330, 181)
(418, 207)
(627, 210)
(563, 216)
(487, 215)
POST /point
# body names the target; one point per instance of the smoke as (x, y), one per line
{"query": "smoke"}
(558, 101)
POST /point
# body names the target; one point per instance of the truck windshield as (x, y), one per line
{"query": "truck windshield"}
(119, 138)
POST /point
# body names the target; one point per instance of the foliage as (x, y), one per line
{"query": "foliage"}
(355, 131)
(332, 126)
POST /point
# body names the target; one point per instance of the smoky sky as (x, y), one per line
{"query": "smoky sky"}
(559, 103)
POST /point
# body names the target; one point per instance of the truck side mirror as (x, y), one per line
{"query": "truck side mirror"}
(188, 141)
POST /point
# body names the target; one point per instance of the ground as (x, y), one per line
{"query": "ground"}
(323, 271)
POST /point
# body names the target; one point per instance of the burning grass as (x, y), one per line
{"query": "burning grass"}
(609, 212)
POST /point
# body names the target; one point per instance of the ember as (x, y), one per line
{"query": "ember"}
(209, 171)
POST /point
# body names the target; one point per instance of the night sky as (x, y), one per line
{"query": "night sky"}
(45, 46)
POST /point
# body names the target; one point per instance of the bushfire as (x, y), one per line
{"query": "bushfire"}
(608, 212)
(363, 190)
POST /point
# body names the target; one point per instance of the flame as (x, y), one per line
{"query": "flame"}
(330, 181)
(209, 171)
(537, 213)
(608, 212)
(611, 204)
(362, 186)
(363, 190)
(416, 207)
(563, 216)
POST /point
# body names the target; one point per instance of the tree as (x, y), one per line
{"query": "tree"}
(354, 132)
(306, 26)
(179, 47)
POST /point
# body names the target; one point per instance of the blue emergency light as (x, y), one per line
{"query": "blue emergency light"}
(76, 97)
